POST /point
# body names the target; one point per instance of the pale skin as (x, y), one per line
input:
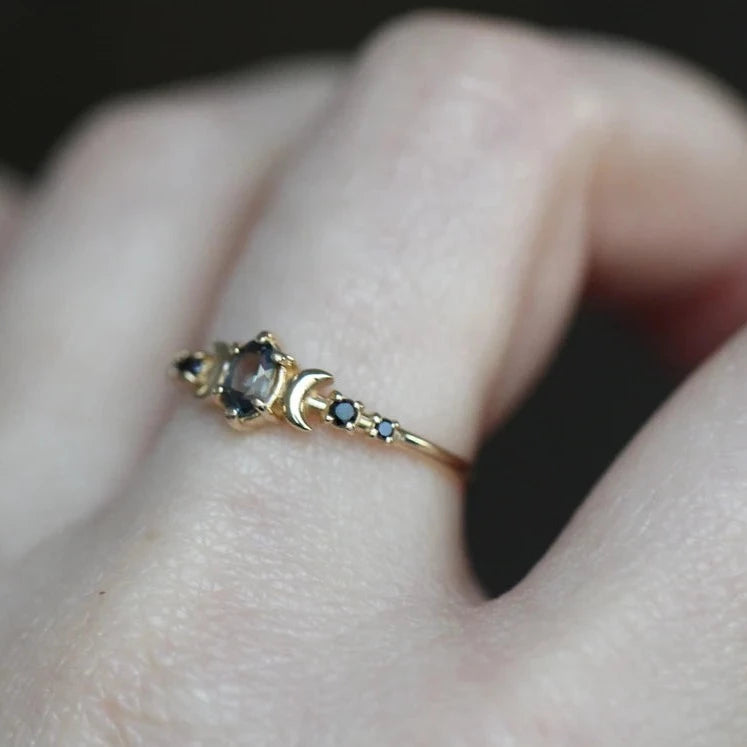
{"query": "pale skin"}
(458, 185)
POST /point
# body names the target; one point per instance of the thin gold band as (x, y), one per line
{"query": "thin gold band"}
(253, 381)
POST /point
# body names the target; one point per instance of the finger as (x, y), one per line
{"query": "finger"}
(647, 588)
(431, 242)
(653, 199)
(656, 270)
(119, 255)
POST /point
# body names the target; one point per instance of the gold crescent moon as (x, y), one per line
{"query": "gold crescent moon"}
(296, 393)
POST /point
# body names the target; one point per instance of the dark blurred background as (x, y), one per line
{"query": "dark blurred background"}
(58, 57)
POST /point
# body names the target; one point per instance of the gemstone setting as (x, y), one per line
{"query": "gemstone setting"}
(189, 364)
(250, 380)
(385, 429)
(344, 413)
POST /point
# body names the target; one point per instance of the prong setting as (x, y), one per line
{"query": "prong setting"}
(384, 429)
(189, 366)
(286, 361)
(267, 338)
(343, 412)
(252, 379)
(258, 404)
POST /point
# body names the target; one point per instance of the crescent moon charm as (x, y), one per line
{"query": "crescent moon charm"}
(297, 392)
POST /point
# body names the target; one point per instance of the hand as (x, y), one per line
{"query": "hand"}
(421, 223)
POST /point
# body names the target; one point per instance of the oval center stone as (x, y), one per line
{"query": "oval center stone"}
(252, 373)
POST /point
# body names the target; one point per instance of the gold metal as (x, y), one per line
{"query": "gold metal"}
(292, 396)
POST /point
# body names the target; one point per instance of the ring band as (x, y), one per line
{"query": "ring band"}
(258, 380)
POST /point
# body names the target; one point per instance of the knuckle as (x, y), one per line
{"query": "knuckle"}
(131, 134)
(525, 80)
(121, 122)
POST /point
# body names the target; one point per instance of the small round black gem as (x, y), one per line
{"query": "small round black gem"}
(385, 429)
(343, 412)
(190, 365)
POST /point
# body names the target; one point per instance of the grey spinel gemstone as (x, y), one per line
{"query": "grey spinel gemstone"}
(252, 373)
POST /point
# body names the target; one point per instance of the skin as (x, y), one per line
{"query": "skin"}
(449, 194)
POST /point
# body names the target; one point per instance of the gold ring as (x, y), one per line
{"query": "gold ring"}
(257, 381)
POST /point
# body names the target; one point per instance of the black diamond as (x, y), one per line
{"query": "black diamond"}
(385, 429)
(343, 412)
(190, 365)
